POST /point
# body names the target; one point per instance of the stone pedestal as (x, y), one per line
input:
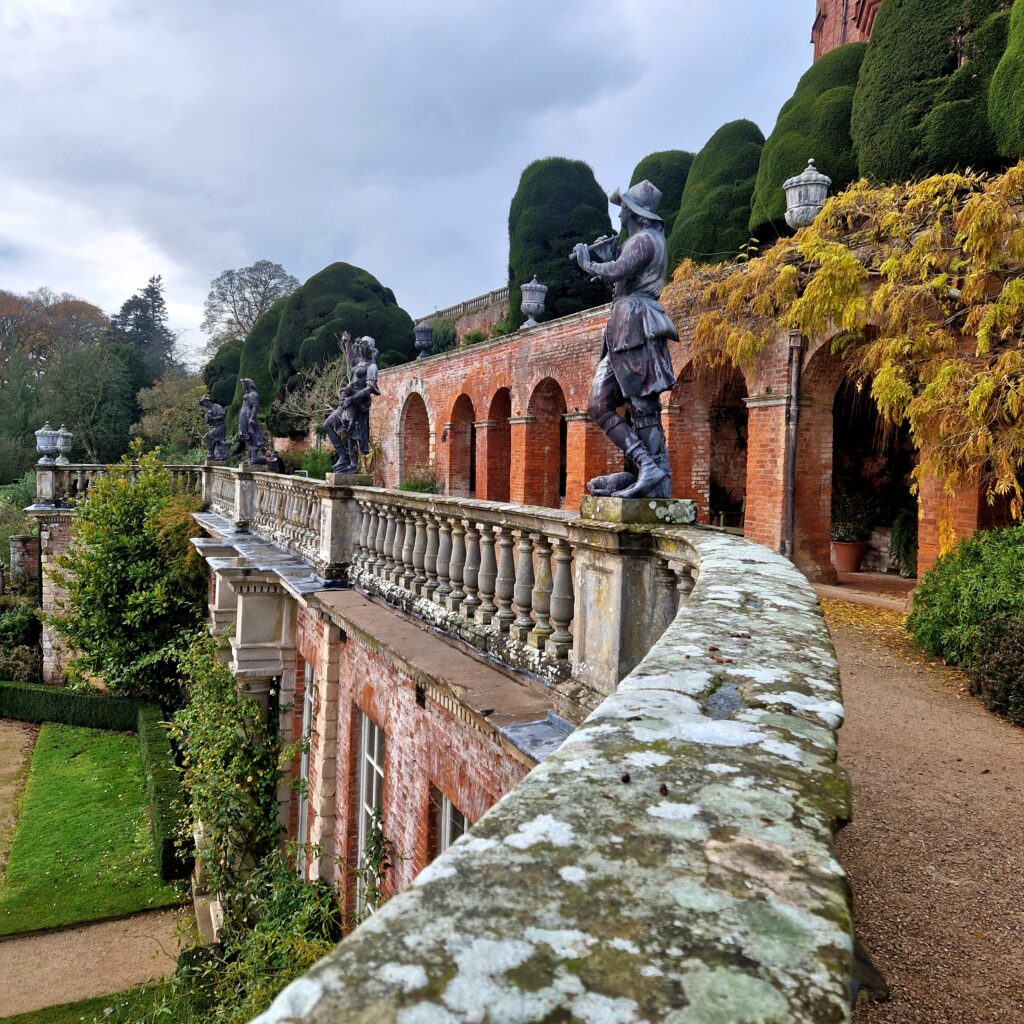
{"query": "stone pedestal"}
(639, 511)
(349, 480)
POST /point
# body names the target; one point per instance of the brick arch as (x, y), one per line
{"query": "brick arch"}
(545, 455)
(821, 376)
(462, 448)
(494, 448)
(414, 436)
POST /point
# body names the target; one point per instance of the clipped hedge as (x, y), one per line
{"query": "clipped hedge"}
(668, 170)
(920, 106)
(557, 204)
(163, 788)
(28, 702)
(712, 222)
(1006, 91)
(814, 123)
(254, 364)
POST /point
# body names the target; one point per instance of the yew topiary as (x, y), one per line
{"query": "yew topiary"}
(712, 221)
(339, 298)
(813, 124)
(669, 170)
(558, 203)
(920, 103)
(254, 362)
(220, 375)
(1006, 91)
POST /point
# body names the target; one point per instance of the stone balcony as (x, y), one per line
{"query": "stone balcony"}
(672, 860)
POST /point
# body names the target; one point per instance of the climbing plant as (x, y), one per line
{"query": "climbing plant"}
(921, 287)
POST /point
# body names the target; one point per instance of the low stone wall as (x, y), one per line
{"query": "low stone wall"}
(672, 861)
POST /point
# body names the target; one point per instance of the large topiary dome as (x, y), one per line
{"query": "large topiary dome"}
(339, 298)
(557, 204)
(813, 124)
(920, 106)
(712, 222)
(1006, 92)
(668, 170)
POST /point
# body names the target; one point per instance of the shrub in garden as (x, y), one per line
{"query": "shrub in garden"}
(291, 925)
(220, 375)
(668, 170)
(920, 106)
(317, 462)
(557, 204)
(254, 363)
(1006, 91)
(134, 585)
(712, 222)
(965, 591)
(997, 672)
(230, 772)
(813, 123)
(420, 478)
(339, 298)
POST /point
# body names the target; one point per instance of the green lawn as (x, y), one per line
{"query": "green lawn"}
(121, 1006)
(82, 848)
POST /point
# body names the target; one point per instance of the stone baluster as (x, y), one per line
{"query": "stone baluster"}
(408, 546)
(444, 557)
(504, 585)
(541, 592)
(382, 532)
(686, 576)
(523, 592)
(486, 576)
(471, 571)
(360, 526)
(430, 557)
(419, 553)
(563, 601)
(456, 565)
(389, 544)
(367, 536)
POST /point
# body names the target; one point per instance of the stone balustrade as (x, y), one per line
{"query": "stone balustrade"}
(671, 862)
(70, 482)
(467, 306)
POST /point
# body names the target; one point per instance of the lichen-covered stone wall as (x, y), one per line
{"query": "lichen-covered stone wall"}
(672, 862)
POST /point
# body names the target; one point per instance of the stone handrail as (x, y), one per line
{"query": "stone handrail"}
(71, 481)
(672, 861)
(467, 306)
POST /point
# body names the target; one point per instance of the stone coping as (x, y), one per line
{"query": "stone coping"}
(671, 862)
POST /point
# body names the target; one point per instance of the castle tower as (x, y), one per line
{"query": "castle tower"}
(842, 21)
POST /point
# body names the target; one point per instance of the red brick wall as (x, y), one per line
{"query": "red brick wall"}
(424, 746)
(480, 320)
(55, 539)
(841, 21)
(412, 441)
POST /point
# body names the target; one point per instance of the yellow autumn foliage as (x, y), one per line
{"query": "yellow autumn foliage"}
(921, 287)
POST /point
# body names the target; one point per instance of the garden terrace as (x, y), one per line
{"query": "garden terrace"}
(671, 853)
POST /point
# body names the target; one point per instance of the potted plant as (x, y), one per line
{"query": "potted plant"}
(852, 521)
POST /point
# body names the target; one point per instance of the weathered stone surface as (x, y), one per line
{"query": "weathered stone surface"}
(671, 862)
(651, 511)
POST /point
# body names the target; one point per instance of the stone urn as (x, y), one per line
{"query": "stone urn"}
(533, 301)
(805, 196)
(424, 334)
(46, 444)
(64, 442)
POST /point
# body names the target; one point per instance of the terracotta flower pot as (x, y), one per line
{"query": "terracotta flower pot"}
(847, 555)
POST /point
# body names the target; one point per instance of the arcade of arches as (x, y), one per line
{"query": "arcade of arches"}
(505, 421)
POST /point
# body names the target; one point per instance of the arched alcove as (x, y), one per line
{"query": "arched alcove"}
(414, 438)
(462, 449)
(546, 445)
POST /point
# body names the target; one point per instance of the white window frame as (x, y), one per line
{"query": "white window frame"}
(371, 786)
(302, 832)
(451, 822)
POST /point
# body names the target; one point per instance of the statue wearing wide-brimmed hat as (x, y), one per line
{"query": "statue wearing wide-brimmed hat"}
(635, 366)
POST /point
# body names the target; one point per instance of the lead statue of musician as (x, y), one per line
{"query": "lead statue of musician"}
(635, 366)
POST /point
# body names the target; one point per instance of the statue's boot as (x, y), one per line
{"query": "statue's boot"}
(651, 474)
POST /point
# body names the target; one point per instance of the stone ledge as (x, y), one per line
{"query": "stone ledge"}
(672, 861)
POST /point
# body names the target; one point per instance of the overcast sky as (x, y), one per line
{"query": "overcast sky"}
(182, 138)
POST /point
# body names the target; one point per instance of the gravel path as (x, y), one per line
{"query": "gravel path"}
(64, 966)
(936, 848)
